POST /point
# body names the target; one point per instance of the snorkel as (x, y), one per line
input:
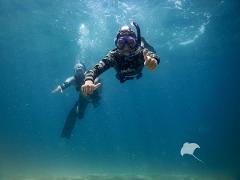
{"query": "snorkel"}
(138, 32)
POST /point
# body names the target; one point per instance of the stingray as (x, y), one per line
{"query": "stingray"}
(189, 148)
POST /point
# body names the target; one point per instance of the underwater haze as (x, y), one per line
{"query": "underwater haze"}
(140, 126)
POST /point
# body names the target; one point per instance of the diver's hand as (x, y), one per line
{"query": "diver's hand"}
(58, 89)
(89, 87)
(149, 61)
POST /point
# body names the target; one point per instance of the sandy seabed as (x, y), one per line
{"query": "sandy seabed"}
(124, 177)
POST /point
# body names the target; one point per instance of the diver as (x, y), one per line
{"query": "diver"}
(132, 52)
(80, 106)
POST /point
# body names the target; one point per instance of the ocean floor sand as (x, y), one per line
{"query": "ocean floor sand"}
(124, 177)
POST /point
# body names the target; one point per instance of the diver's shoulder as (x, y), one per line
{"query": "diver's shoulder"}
(113, 51)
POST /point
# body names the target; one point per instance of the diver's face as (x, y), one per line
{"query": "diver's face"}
(79, 72)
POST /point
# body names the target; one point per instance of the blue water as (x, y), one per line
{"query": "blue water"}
(141, 125)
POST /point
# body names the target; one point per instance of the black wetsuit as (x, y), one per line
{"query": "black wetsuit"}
(127, 67)
(78, 110)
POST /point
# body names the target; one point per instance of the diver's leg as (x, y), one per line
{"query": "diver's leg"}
(81, 107)
(96, 97)
(70, 123)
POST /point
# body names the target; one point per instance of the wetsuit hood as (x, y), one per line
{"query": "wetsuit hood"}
(79, 69)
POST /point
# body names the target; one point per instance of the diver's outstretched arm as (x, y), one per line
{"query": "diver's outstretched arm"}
(68, 82)
(89, 87)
